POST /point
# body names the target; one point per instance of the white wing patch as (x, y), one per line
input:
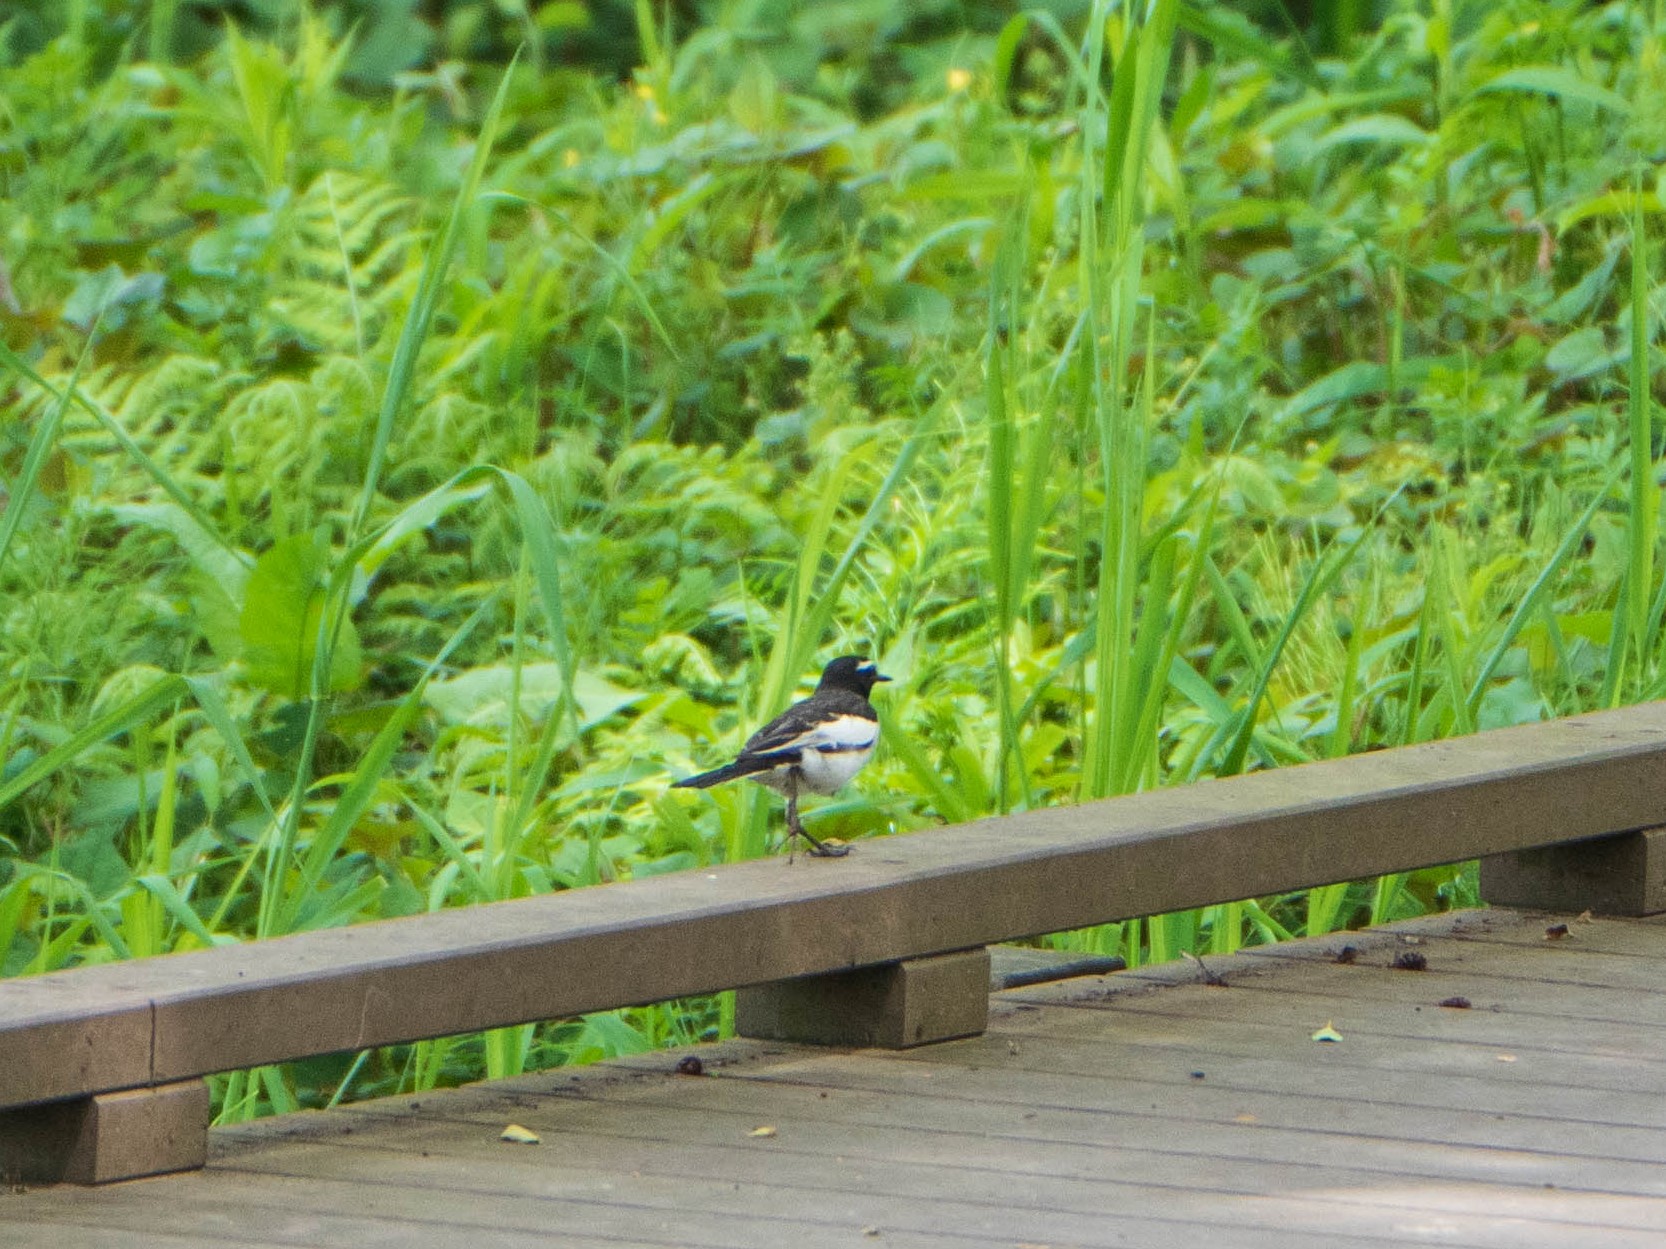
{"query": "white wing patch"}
(845, 733)
(833, 737)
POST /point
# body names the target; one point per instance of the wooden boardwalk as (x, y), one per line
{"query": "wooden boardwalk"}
(1142, 1109)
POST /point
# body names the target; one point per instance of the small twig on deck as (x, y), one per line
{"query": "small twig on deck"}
(1207, 976)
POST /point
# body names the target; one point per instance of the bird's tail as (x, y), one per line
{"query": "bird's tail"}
(729, 772)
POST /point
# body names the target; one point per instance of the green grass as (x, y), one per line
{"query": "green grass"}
(410, 467)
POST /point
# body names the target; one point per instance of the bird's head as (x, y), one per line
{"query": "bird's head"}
(851, 672)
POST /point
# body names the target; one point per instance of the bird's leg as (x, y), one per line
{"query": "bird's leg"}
(794, 828)
(819, 849)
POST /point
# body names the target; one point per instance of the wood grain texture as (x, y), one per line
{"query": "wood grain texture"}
(902, 897)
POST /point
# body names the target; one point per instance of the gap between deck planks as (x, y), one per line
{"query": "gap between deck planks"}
(1075, 1121)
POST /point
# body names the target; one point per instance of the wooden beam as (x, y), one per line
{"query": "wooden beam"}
(176, 1017)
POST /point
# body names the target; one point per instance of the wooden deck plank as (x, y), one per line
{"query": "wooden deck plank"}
(1076, 1120)
(1204, 1032)
(33, 1234)
(1491, 1032)
(400, 1199)
(219, 1219)
(890, 1130)
(1625, 938)
(839, 1123)
(1565, 979)
(451, 1205)
(802, 1156)
(1090, 1109)
(807, 1135)
(1284, 1068)
(1579, 1000)
(1541, 962)
(981, 1205)
(1553, 1005)
(1314, 1090)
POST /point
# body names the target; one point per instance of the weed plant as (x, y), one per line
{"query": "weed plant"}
(409, 468)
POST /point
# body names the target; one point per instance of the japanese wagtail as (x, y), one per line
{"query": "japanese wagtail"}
(812, 747)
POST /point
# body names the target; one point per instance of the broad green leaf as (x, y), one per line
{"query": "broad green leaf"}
(1350, 381)
(1389, 129)
(1610, 204)
(1514, 702)
(206, 551)
(904, 315)
(481, 695)
(283, 603)
(1559, 82)
(1579, 354)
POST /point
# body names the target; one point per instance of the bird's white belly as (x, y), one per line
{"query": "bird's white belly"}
(827, 771)
(819, 771)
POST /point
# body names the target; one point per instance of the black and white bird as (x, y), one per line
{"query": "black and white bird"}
(812, 747)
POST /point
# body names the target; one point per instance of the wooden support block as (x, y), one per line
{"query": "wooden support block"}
(892, 1006)
(107, 1137)
(1624, 874)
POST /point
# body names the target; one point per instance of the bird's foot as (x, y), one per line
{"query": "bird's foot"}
(824, 849)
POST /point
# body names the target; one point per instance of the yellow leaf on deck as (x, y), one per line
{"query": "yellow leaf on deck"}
(518, 1135)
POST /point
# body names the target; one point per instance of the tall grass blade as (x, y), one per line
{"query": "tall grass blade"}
(1002, 508)
(119, 719)
(430, 286)
(41, 443)
(112, 426)
(1526, 604)
(1111, 251)
(361, 790)
(1341, 737)
(1643, 519)
(1324, 573)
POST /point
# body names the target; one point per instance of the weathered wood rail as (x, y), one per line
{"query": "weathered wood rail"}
(100, 1067)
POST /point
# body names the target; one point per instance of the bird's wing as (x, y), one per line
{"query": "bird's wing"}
(807, 726)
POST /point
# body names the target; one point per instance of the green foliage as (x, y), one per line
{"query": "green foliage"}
(414, 457)
(278, 626)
